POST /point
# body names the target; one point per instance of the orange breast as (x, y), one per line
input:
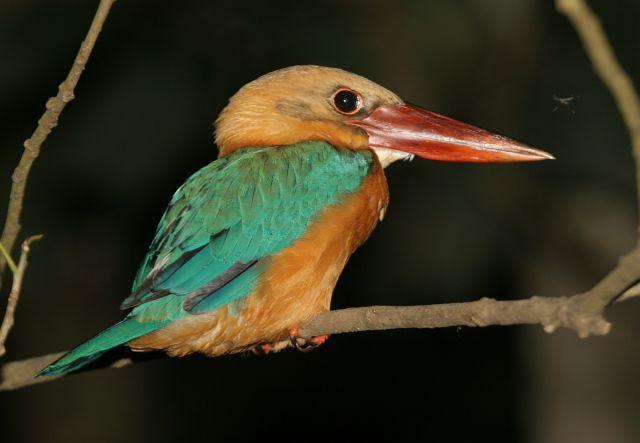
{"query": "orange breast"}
(297, 286)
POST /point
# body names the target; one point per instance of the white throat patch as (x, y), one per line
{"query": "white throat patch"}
(388, 156)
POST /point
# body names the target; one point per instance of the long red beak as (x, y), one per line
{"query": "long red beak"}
(429, 135)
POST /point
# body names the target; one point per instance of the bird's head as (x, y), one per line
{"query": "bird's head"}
(304, 103)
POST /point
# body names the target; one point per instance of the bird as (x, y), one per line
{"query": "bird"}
(251, 245)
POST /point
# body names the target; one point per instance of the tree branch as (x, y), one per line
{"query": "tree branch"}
(598, 49)
(14, 296)
(46, 123)
(581, 312)
(572, 312)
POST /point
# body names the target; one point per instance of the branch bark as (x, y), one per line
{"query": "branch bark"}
(581, 312)
(574, 312)
(608, 68)
(46, 123)
(14, 295)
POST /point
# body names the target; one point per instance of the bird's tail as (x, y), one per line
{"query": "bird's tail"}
(116, 335)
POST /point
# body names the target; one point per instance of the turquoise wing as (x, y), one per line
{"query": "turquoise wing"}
(211, 244)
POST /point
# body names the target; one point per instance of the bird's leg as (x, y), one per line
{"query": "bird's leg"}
(261, 349)
(306, 344)
(300, 343)
(268, 348)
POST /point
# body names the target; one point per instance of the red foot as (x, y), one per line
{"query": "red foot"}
(319, 339)
(306, 344)
(261, 349)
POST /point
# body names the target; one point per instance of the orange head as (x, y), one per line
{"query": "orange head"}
(303, 103)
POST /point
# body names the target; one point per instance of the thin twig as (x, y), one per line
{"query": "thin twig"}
(46, 123)
(7, 257)
(14, 295)
(597, 46)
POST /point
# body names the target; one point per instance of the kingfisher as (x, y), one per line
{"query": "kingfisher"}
(251, 246)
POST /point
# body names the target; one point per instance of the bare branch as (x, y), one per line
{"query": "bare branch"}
(17, 374)
(598, 48)
(7, 257)
(21, 373)
(14, 295)
(575, 312)
(633, 291)
(47, 122)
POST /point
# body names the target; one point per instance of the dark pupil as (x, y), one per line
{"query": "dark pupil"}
(346, 101)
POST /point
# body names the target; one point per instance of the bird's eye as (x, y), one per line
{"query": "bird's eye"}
(347, 102)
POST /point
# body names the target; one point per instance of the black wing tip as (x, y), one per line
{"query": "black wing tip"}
(128, 303)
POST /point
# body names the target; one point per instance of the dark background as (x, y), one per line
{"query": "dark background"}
(142, 123)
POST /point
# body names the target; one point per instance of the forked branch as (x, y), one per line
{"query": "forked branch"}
(46, 123)
(14, 295)
(32, 146)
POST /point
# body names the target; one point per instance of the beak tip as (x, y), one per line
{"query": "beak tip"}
(528, 153)
(544, 155)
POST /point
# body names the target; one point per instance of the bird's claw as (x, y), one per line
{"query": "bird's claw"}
(261, 349)
(306, 344)
(300, 343)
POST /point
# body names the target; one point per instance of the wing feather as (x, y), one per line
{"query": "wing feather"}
(211, 244)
